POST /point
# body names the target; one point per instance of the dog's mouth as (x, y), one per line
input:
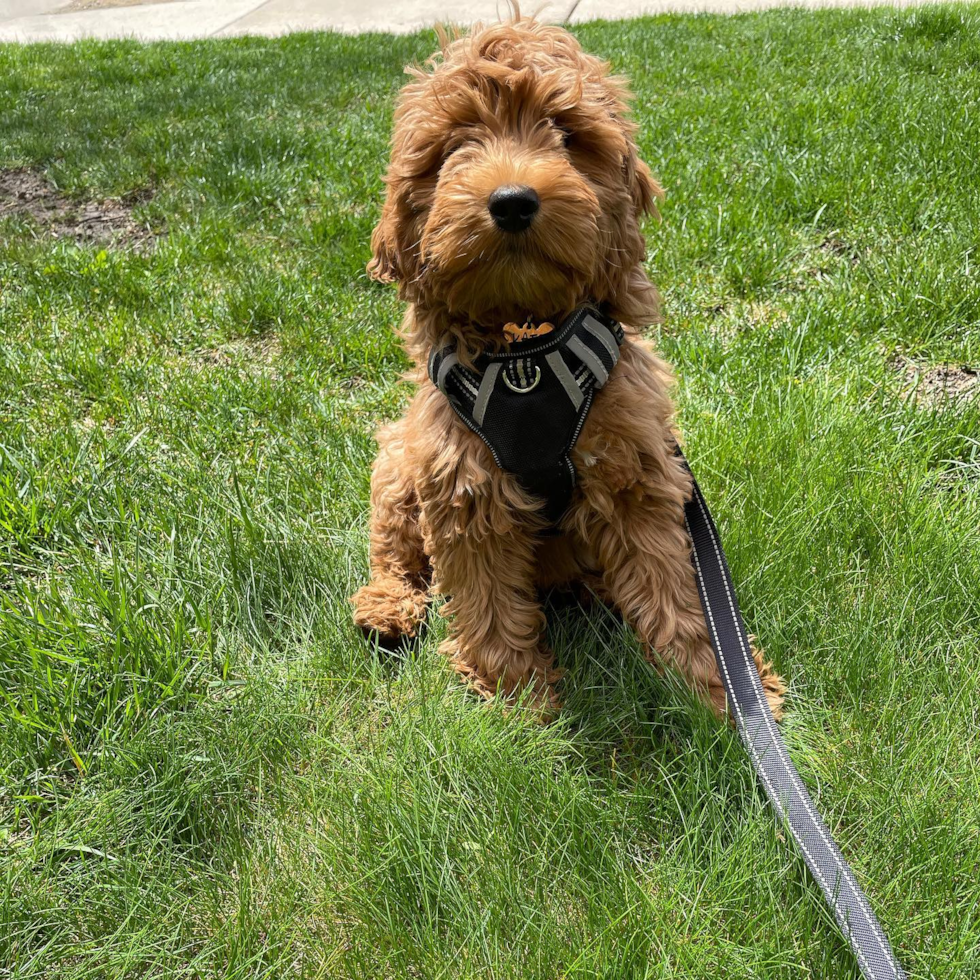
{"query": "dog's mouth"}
(527, 279)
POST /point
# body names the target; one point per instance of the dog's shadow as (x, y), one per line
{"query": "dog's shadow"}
(612, 695)
(619, 709)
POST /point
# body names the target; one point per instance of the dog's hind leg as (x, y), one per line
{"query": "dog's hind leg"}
(393, 603)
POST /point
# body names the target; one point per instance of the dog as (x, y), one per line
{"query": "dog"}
(514, 196)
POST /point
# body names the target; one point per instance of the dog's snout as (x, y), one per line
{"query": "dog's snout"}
(513, 206)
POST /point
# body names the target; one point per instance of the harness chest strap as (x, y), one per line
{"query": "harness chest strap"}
(529, 404)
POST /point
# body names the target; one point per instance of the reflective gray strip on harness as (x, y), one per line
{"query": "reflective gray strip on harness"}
(483, 395)
(766, 747)
(567, 379)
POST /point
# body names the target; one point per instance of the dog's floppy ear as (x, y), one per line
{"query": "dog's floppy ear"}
(383, 266)
(646, 191)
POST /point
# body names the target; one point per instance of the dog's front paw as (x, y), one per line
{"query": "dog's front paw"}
(389, 607)
(533, 687)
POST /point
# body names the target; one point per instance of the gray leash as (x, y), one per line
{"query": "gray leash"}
(766, 747)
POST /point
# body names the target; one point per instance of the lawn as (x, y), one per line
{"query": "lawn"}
(206, 772)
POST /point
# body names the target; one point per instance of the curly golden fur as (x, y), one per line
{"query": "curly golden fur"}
(520, 103)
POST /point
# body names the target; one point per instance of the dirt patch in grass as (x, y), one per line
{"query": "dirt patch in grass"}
(258, 350)
(837, 246)
(729, 318)
(942, 383)
(249, 354)
(28, 194)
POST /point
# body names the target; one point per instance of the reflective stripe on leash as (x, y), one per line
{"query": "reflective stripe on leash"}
(766, 748)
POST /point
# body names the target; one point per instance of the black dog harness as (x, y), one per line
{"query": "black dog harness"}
(529, 404)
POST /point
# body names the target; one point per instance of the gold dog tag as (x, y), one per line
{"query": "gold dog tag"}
(516, 334)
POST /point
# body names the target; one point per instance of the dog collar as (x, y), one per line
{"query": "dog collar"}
(529, 403)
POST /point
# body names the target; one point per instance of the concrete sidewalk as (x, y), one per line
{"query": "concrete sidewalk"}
(68, 20)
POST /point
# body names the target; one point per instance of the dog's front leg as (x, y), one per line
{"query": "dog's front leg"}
(631, 514)
(483, 558)
(393, 603)
(645, 553)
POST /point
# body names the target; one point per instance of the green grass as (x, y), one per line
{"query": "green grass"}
(205, 772)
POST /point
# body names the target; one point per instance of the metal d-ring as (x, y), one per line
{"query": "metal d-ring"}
(523, 391)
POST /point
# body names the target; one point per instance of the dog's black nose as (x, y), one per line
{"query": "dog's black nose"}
(513, 206)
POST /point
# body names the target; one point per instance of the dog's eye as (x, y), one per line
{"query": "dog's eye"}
(565, 133)
(450, 148)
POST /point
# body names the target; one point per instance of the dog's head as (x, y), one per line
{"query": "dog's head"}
(515, 189)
